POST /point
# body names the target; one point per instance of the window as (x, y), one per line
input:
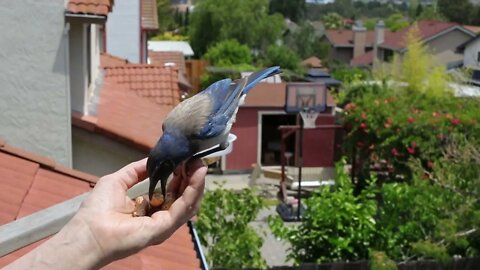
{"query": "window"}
(478, 57)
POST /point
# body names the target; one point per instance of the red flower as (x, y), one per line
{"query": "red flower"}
(411, 120)
(363, 125)
(350, 107)
(411, 150)
(455, 121)
(395, 152)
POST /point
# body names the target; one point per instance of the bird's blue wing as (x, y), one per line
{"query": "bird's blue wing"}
(225, 101)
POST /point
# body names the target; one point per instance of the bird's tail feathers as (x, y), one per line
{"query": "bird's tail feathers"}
(256, 77)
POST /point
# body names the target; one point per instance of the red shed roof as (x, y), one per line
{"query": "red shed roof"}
(29, 183)
(363, 59)
(94, 7)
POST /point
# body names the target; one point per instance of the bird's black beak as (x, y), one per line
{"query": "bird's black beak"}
(159, 172)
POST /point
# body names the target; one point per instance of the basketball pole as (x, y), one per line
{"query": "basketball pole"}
(300, 163)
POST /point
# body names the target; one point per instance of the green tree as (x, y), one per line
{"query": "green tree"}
(247, 21)
(333, 21)
(305, 42)
(282, 56)
(166, 16)
(460, 11)
(396, 22)
(228, 53)
(292, 9)
(223, 226)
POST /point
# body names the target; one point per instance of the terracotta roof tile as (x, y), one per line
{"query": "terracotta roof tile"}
(27, 186)
(149, 15)
(427, 30)
(344, 38)
(363, 59)
(134, 100)
(108, 60)
(94, 7)
(162, 58)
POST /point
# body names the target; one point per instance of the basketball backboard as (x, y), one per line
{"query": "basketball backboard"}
(305, 97)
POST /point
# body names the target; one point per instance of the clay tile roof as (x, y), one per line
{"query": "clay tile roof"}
(266, 95)
(149, 15)
(108, 60)
(313, 62)
(94, 7)
(133, 101)
(162, 58)
(344, 38)
(426, 28)
(29, 183)
(363, 59)
(472, 28)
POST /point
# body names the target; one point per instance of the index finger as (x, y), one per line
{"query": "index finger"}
(133, 173)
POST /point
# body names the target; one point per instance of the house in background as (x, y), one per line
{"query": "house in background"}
(60, 109)
(471, 58)
(128, 27)
(346, 44)
(47, 69)
(441, 38)
(125, 119)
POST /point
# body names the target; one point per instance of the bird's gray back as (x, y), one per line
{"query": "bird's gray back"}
(189, 116)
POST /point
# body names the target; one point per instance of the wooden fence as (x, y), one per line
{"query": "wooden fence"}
(195, 69)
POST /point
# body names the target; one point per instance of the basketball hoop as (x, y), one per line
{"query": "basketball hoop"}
(309, 118)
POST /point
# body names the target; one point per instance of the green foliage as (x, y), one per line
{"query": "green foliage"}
(292, 9)
(396, 22)
(246, 21)
(337, 225)
(333, 21)
(223, 226)
(282, 56)
(460, 11)
(380, 261)
(348, 75)
(170, 36)
(165, 15)
(305, 42)
(228, 53)
(432, 251)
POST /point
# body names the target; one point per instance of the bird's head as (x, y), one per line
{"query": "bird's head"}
(159, 168)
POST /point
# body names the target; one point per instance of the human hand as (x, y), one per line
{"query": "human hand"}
(107, 212)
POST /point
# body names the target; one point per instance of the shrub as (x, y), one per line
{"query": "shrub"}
(223, 226)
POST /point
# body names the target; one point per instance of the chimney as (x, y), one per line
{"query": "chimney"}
(359, 39)
(378, 39)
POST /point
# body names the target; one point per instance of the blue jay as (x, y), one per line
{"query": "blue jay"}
(199, 126)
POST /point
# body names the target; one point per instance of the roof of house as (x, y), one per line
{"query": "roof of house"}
(29, 183)
(427, 29)
(168, 57)
(169, 46)
(134, 100)
(472, 28)
(344, 37)
(362, 60)
(149, 15)
(272, 95)
(465, 44)
(313, 62)
(93, 7)
(108, 60)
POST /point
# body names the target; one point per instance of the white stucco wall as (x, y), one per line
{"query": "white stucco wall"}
(123, 30)
(34, 86)
(99, 155)
(470, 56)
